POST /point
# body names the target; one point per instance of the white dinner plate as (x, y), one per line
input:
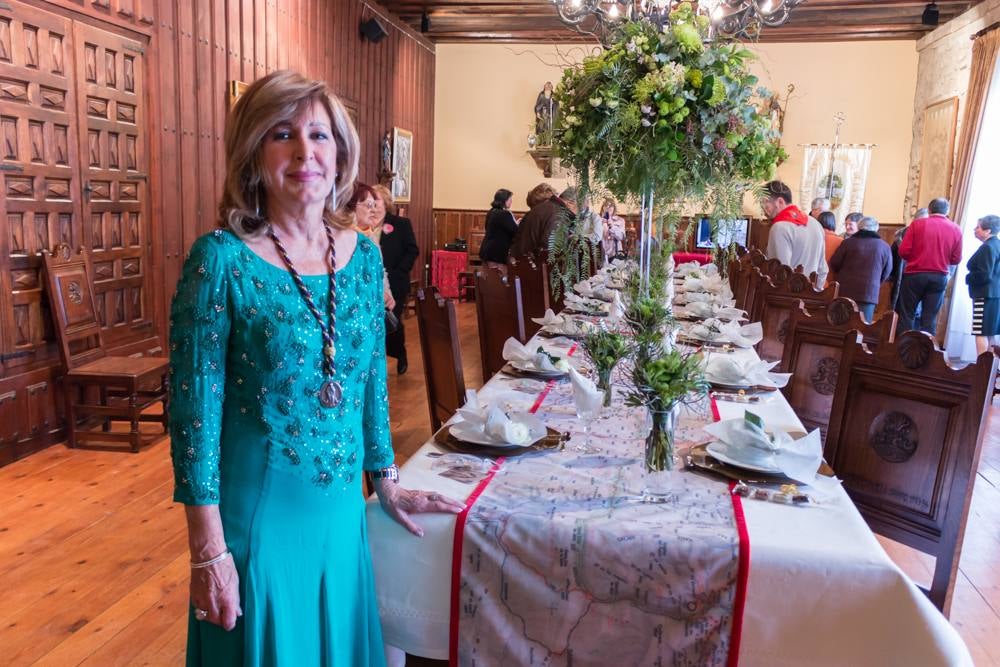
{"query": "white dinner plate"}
(722, 452)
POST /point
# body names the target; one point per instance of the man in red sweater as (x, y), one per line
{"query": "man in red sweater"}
(932, 249)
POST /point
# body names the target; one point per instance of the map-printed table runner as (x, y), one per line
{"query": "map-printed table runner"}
(578, 558)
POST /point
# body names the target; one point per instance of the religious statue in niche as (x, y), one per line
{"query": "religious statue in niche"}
(775, 107)
(546, 110)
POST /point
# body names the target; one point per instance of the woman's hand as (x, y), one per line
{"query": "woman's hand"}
(390, 303)
(400, 503)
(216, 590)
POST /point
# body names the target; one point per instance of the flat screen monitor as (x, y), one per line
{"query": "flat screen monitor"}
(729, 231)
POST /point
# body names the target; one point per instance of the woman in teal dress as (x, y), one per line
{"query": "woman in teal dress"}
(278, 396)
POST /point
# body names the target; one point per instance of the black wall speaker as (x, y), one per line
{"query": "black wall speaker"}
(931, 14)
(373, 31)
(425, 22)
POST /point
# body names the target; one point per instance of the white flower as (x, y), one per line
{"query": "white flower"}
(612, 104)
(646, 109)
(595, 101)
(645, 123)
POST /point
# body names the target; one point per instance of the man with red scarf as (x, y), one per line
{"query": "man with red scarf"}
(795, 238)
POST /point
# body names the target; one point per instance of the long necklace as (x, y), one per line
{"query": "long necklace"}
(331, 392)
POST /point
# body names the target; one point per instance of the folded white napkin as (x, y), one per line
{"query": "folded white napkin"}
(491, 421)
(798, 459)
(724, 369)
(696, 269)
(550, 318)
(586, 396)
(706, 309)
(514, 351)
(582, 303)
(583, 288)
(570, 327)
(617, 311)
(715, 330)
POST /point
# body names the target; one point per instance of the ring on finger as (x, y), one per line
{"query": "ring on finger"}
(433, 497)
(200, 614)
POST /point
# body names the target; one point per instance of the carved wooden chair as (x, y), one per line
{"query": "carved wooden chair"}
(500, 316)
(775, 302)
(812, 354)
(534, 292)
(442, 353)
(747, 293)
(905, 435)
(124, 386)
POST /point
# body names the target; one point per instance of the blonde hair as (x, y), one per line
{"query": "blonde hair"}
(385, 195)
(279, 98)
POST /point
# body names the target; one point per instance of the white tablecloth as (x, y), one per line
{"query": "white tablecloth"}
(822, 591)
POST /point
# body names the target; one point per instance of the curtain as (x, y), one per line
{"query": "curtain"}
(840, 176)
(984, 63)
(974, 186)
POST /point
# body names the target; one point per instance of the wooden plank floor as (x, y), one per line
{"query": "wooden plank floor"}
(94, 558)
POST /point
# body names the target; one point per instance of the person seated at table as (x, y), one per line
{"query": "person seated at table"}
(795, 239)
(394, 235)
(851, 223)
(613, 237)
(862, 263)
(538, 224)
(983, 280)
(500, 229)
(277, 406)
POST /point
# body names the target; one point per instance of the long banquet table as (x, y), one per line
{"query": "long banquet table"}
(821, 589)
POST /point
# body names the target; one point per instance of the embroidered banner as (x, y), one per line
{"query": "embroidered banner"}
(579, 557)
(841, 178)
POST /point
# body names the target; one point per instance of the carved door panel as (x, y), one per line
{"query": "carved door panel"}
(111, 102)
(39, 177)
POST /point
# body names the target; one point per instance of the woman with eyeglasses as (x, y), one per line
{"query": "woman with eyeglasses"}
(394, 235)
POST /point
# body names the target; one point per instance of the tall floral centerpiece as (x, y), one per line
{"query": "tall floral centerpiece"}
(665, 118)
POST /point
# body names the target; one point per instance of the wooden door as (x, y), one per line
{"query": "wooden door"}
(111, 112)
(39, 176)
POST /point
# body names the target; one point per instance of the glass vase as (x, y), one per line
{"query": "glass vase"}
(660, 441)
(604, 384)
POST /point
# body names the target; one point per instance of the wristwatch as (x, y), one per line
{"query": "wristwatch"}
(391, 473)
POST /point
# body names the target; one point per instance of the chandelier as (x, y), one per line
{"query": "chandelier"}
(728, 18)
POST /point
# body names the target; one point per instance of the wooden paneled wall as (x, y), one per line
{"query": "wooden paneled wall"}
(190, 49)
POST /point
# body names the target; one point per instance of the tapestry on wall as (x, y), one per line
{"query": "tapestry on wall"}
(839, 173)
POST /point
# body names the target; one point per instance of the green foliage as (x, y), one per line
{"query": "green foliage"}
(664, 111)
(605, 349)
(661, 382)
(570, 254)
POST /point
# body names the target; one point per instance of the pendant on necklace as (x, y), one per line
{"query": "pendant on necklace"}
(330, 394)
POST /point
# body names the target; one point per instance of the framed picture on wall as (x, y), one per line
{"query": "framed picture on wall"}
(402, 164)
(937, 150)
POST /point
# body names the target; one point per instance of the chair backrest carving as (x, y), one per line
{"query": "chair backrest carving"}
(812, 354)
(775, 302)
(71, 297)
(500, 316)
(905, 435)
(534, 291)
(441, 348)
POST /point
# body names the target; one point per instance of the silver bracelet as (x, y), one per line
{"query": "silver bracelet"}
(391, 473)
(211, 561)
